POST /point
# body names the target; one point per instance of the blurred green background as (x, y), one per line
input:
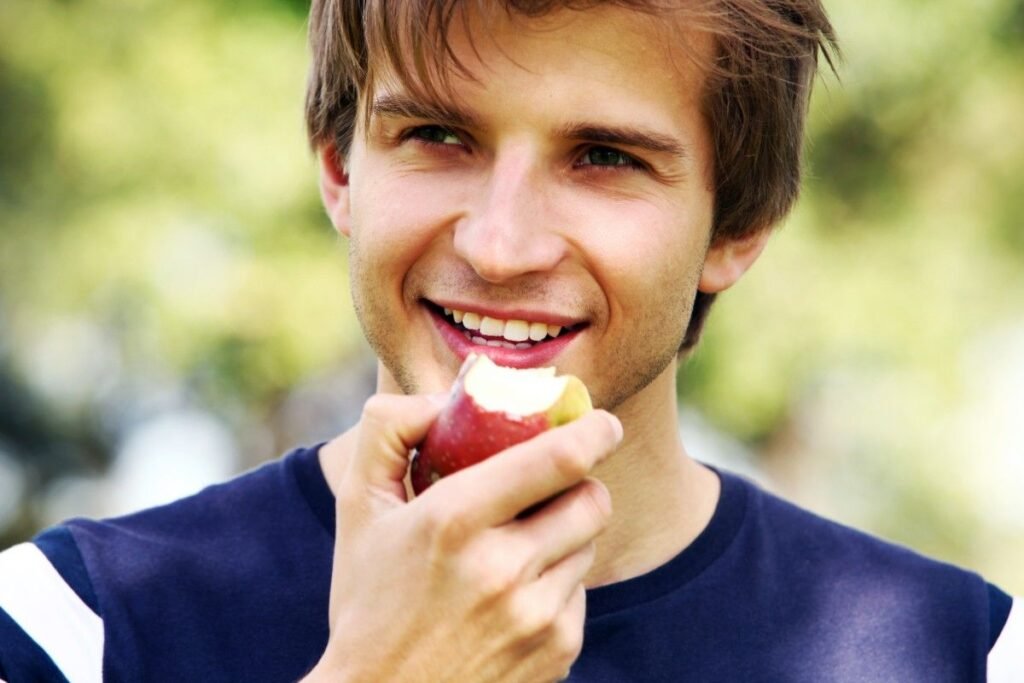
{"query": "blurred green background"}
(174, 306)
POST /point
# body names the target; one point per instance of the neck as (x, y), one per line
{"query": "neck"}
(662, 499)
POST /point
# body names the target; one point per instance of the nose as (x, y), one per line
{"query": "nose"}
(513, 229)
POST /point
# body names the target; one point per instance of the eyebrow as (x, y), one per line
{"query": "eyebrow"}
(397, 105)
(401, 106)
(628, 136)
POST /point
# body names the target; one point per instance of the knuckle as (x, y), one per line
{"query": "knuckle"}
(377, 408)
(587, 555)
(494, 580)
(498, 569)
(569, 461)
(566, 638)
(567, 641)
(447, 527)
(597, 503)
(531, 618)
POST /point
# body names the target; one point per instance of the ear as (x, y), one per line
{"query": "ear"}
(729, 259)
(334, 188)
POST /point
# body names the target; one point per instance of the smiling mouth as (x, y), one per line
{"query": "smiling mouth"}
(498, 333)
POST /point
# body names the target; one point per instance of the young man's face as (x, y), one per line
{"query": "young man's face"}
(569, 185)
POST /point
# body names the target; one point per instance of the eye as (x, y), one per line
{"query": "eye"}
(434, 135)
(608, 157)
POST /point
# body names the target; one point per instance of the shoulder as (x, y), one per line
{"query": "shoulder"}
(866, 580)
(808, 544)
(189, 557)
(72, 594)
(50, 627)
(252, 504)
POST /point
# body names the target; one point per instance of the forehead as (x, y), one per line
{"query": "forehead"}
(605, 46)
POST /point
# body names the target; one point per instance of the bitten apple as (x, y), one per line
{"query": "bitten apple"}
(491, 408)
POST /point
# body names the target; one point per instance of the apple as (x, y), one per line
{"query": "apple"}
(491, 408)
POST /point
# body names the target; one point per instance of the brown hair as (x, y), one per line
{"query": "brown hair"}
(755, 100)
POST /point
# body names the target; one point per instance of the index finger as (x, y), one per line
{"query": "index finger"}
(494, 491)
(390, 426)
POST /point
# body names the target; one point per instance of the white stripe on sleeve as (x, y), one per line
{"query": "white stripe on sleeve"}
(1006, 659)
(51, 613)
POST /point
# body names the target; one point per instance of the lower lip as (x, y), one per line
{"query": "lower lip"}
(541, 353)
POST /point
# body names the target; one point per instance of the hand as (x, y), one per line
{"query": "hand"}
(454, 585)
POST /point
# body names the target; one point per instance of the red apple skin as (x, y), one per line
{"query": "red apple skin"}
(464, 434)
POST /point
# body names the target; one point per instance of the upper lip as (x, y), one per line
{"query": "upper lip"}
(527, 314)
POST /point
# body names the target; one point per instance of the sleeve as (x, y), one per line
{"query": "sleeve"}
(50, 628)
(1006, 651)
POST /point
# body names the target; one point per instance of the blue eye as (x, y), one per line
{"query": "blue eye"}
(606, 156)
(435, 135)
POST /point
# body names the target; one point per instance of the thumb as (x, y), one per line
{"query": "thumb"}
(390, 427)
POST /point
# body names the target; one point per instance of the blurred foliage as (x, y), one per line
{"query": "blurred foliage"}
(162, 236)
(874, 356)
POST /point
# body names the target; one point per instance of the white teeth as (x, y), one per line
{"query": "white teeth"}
(491, 327)
(517, 330)
(479, 340)
(523, 345)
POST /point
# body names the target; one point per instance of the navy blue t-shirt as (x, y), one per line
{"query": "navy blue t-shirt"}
(232, 584)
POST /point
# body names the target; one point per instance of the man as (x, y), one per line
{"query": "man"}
(602, 170)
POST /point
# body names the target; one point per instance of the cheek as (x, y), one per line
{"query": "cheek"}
(647, 250)
(402, 211)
